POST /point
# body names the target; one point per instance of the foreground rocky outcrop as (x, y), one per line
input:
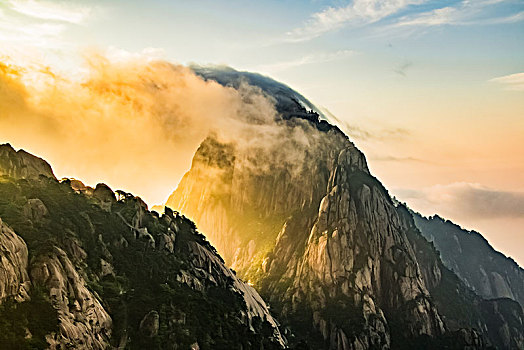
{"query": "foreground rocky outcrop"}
(341, 263)
(14, 279)
(83, 321)
(92, 269)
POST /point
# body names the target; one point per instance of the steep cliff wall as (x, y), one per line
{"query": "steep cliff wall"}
(335, 257)
(339, 252)
(488, 272)
(238, 200)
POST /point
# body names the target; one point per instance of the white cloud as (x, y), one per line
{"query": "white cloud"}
(436, 17)
(309, 59)
(358, 11)
(509, 19)
(33, 31)
(464, 201)
(511, 82)
(464, 13)
(17, 33)
(47, 10)
(148, 54)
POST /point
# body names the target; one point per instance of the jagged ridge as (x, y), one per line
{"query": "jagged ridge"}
(102, 271)
(488, 272)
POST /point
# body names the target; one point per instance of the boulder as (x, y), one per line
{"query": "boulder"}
(14, 279)
(35, 210)
(149, 324)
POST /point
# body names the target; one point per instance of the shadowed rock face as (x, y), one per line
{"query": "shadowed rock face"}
(342, 264)
(505, 323)
(488, 272)
(472, 319)
(22, 165)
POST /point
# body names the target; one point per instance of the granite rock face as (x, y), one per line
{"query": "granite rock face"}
(342, 264)
(340, 251)
(210, 267)
(84, 323)
(357, 250)
(149, 324)
(14, 279)
(35, 210)
(488, 272)
(505, 323)
(22, 165)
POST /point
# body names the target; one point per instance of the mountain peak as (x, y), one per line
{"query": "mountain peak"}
(21, 164)
(343, 265)
(288, 102)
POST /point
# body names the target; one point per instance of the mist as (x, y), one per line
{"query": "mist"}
(136, 123)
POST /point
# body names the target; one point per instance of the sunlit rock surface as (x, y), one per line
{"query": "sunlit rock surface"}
(343, 265)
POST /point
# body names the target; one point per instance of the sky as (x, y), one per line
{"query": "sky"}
(431, 91)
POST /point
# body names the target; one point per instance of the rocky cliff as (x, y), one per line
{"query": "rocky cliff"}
(339, 263)
(497, 322)
(488, 272)
(14, 280)
(20, 164)
(301, 218)
(337, 259)
(90, 268)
